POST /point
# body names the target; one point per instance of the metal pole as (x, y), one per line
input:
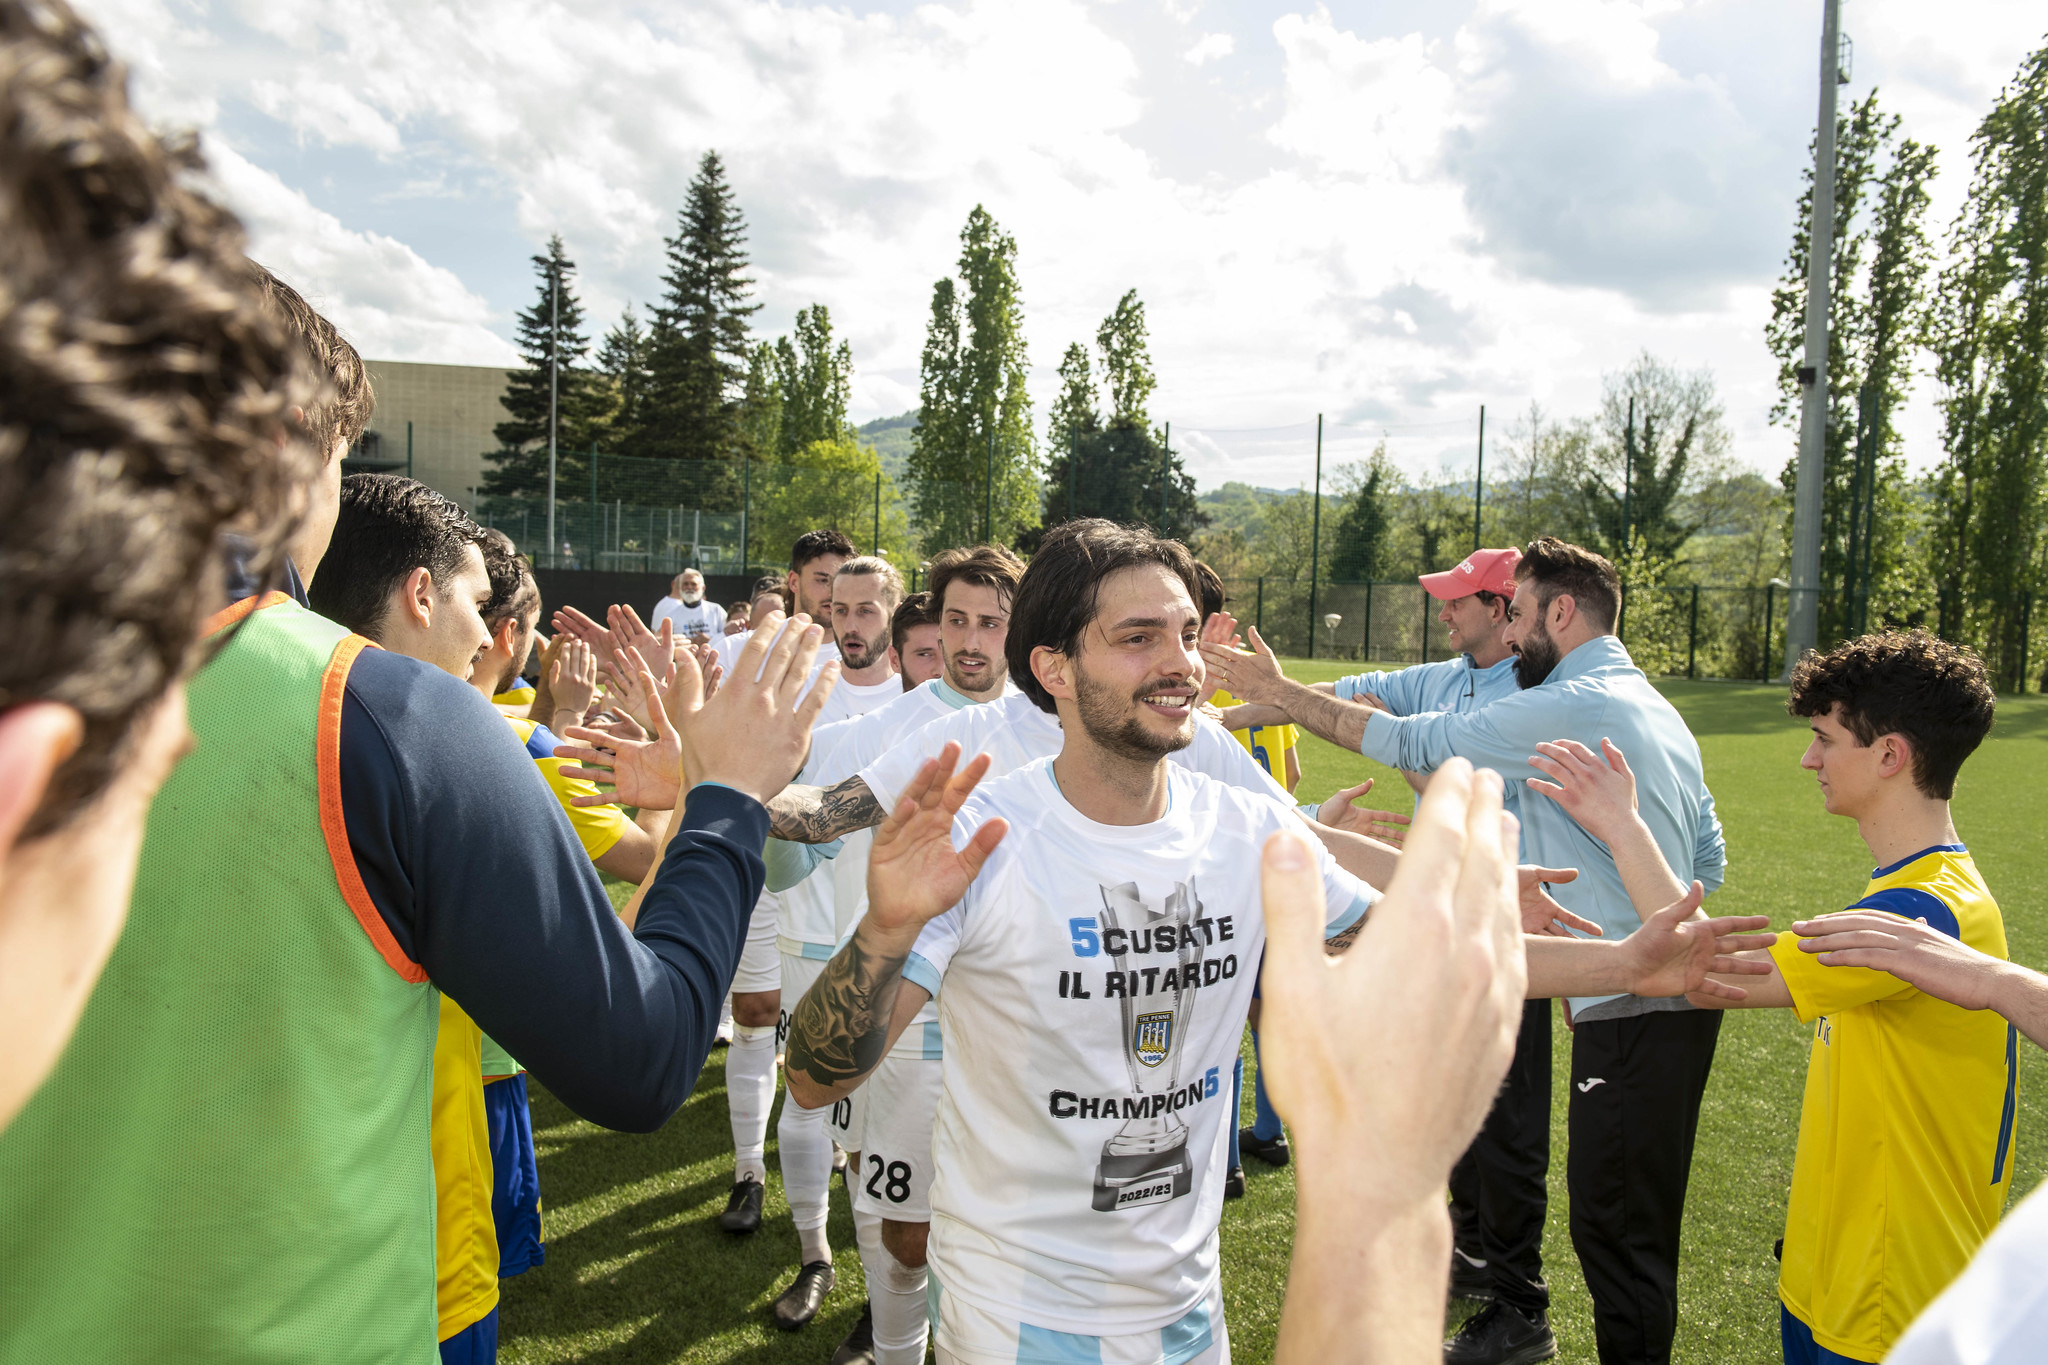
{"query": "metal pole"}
(1260, 613)
(1770, 605)
(988, 495)
(1628, 471)
(1479, 481)
(1073, 465)
(1315, 542)
(2026, 618)
(1366, 653)
(408, 453)
(1802, 619)
(1165, 475)
(875, 547)
(554, 323)
(1692, 634)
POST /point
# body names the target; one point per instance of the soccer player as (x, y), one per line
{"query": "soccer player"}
(1081, 1130)
(863, 593)
(1906, 1133)
(154, 403)
(1639, 1066)
(696, 618)
(914, 640)
(327, 861)
(814, 561)
(1996, 1311)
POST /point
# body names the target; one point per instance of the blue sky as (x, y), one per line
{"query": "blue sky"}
(1389, 213)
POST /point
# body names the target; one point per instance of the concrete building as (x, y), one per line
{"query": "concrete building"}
(450, 410)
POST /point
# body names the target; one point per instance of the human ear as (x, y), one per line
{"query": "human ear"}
(35, 739)
(417, 598)
(1051, 668)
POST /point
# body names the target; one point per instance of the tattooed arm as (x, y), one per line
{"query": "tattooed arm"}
(818, 815)
(847, 1022)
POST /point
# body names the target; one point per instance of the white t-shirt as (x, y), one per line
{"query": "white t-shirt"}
(1083, 1130)
(1014, 732)
(707, 618)
(1996, 1311)
(804, 923)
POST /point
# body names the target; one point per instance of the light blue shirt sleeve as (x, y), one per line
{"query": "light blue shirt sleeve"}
(790, 863)
(1710, 849)
(1408, 691)
(1500, 736)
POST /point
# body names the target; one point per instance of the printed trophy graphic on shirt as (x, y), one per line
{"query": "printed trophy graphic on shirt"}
(1146, 1161)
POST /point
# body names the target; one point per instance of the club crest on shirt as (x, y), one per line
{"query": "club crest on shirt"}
(1152, 1039)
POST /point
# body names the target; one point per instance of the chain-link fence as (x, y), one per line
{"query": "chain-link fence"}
(1684, 631)
(620, 514)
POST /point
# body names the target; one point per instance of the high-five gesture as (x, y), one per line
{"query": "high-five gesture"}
(1342, 811)
(754, 733)
(914, 873)
(1254, 677)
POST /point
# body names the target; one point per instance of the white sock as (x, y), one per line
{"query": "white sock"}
(806, 1145)
(749, 1090)
(725, 1020)
(897, 1298)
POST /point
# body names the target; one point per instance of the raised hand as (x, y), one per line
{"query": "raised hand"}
(572, 680)
(1673, 951)
(1254, 677)
(753, 735)
(657, 648)
(1597, 790)
(1221, 629)
(570, 621)
(1341, 811)
(914, 872)
(646, 772)
(1540, 913)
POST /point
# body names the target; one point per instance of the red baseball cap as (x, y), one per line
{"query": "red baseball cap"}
(1483, 571)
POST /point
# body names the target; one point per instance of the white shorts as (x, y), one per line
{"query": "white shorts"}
(849, 1120)
(797, 974)
(760, 961)
(964, 1335)
(895, 1180)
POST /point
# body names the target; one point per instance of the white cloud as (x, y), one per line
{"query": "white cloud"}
(386, 300)
(1208, 48)
(1493, 211)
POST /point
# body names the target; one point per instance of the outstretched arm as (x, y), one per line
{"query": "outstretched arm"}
(818, 815)
(1256, 678)
(847, 1022)
(1671, 954)
(1944, 967)
(1599, 792)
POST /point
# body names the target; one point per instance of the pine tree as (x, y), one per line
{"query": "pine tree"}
(1990, 338)
(1073, 419)
(622, 364)
(760, 418)
(698, 351)
(554, 324)
(814, 378)
(1361, 539)
(1877, 283)
(974, 456)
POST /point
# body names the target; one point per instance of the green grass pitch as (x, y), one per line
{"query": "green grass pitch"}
(637, 1272)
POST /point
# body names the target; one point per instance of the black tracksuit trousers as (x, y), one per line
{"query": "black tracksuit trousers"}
(1498, 1193)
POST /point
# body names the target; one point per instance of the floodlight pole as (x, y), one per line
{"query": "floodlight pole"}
(554, 328)
(1315, 539)
(1802, 615)
(1479, 482)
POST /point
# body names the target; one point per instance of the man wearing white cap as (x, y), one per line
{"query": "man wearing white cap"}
(1499, 1197)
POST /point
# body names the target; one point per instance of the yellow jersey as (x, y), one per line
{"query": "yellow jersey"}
(597, 827)
(1268, 743)
(522, 694)
(465, 1235)
(1906, 1134)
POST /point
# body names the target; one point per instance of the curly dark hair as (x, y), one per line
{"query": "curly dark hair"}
(1903, 682)
(145, 393)
(513, 590)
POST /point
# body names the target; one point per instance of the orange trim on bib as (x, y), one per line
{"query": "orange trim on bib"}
(236, 611)
(334, 827)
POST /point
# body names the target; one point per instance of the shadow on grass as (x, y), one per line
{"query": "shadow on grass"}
(638, 1271)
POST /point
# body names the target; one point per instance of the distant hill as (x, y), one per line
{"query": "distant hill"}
(890, 436)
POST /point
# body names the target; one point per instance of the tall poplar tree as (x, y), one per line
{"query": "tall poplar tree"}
(698, 347)
(974, 455)
(553, 325)
(814, 378)
(1989, 330)
(1882, 257)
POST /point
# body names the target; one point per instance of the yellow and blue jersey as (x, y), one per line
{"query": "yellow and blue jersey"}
(1268, 743)
(521, 693)
(465, 1234)
(1906, 1134)
(597, 827)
